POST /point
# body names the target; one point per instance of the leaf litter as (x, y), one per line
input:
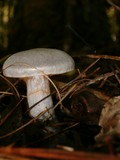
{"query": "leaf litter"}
(73, 96)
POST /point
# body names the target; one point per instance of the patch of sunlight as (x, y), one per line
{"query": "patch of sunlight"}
(12, 11)
(6, 14)
(111, 13)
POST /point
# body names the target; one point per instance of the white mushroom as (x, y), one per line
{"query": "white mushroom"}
(32, 66)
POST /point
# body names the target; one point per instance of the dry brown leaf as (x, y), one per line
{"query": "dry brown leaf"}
(110, 117)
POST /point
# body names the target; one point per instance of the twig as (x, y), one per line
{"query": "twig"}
(12, 85)
(12, 157)
(117, 58)
(56, 154)
(113, 4)
(90, 66)
(7, 91)
(89, 82)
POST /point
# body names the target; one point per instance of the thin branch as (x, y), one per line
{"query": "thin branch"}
(117, 58)
(113, 4)
(56, 154)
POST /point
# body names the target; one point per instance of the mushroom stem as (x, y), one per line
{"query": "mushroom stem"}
(37, 89)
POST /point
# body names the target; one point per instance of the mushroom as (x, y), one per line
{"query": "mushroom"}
(33, 66)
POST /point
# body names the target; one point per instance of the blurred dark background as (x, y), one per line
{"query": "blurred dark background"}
(76, 26)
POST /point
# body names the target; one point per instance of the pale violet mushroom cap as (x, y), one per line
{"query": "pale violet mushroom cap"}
(32, 66)
(38, 62)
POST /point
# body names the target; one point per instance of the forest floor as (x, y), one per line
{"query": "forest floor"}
(75, 131)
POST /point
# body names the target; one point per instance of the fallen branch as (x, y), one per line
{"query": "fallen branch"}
(56, 154)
